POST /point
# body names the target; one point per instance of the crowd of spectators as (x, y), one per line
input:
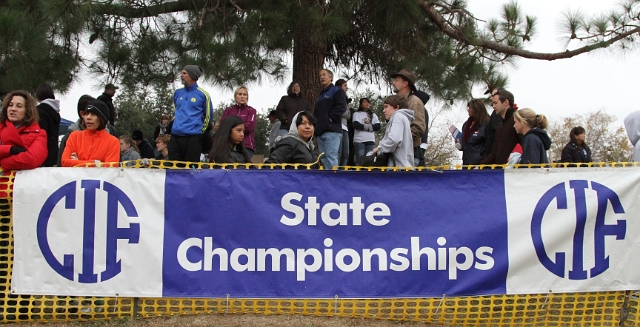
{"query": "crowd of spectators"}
(327, 134)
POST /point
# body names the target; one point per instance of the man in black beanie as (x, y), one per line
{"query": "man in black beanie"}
(193, 114)
(146, 150)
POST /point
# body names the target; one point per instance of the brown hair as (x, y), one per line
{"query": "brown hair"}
(480, 115)
(396, 101)
(164, 138)
(31, 113)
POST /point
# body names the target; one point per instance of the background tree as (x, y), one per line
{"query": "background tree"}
(441, 148)
(145, 42)
(141, 109)
(608, 142)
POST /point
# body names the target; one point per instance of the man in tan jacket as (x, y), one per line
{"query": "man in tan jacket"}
(404, 85)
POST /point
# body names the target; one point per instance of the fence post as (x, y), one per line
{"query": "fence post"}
(624, 310)
(135, 307)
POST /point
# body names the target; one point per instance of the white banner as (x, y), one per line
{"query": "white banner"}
(88, 231)
(573, 230)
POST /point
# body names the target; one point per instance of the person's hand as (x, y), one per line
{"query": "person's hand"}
(375, 150)
(16, 149)
(74, 156)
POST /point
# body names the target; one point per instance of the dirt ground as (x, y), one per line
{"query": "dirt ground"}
(238, 320)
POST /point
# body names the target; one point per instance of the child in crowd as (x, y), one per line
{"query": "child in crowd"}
(162, 144)
(94, 144)
(536, 141)
(128, 149)
(227, 143)
(397, 139)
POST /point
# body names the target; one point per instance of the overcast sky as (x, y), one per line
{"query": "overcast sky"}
(588, 82)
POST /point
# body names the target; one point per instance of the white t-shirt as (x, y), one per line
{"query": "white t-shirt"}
(363, 118)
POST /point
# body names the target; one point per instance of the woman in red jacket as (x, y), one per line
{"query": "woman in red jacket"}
(93, 145)
(23, 144)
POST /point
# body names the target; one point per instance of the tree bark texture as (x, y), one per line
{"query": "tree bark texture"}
(308, 60)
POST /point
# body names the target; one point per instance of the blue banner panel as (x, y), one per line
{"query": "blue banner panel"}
(320, 234)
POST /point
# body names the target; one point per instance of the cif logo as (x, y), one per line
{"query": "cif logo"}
(115, 198)
(605, 197)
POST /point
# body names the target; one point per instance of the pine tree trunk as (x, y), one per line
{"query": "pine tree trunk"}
(308, 60)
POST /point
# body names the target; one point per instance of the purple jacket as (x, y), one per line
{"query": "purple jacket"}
(248, 115)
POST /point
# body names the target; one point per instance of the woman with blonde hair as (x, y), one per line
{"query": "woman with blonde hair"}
(248, 115)
(536, 141)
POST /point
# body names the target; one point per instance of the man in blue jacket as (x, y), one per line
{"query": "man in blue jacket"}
(193, 114)
(331, 104)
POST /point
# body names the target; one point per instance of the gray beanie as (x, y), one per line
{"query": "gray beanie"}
(194, 71)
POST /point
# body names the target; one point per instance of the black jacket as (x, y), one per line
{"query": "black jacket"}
(291, 150)
(288, 107)
(474, 149)
(146, 150)
(331, 104)
(572, 153)
(104, 97)
(534, 147)
(237, 156)
(50, 122)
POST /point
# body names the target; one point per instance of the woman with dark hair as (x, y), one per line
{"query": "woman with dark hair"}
(365, 123)
(297, 146)
(474, 133)
(23, 144)
(576, 150)
(227, 143)
(290, 105)
(161, 128)
(94, 144)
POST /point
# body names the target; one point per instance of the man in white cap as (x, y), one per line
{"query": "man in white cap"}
(194, 113)
(404, 85)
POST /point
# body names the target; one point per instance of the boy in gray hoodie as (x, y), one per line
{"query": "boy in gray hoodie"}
(397, 139)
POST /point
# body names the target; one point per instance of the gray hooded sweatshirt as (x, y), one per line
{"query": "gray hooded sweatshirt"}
(632, 125)
(398, 140)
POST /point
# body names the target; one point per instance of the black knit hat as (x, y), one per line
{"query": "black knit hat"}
(100, 109)
(137, 135)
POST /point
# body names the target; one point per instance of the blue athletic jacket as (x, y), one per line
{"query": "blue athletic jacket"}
(193, 111)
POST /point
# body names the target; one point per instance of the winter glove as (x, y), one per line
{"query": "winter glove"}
(16, 149)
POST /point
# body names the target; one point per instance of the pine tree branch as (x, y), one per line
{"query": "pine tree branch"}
(126, 11)
(458, 35)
